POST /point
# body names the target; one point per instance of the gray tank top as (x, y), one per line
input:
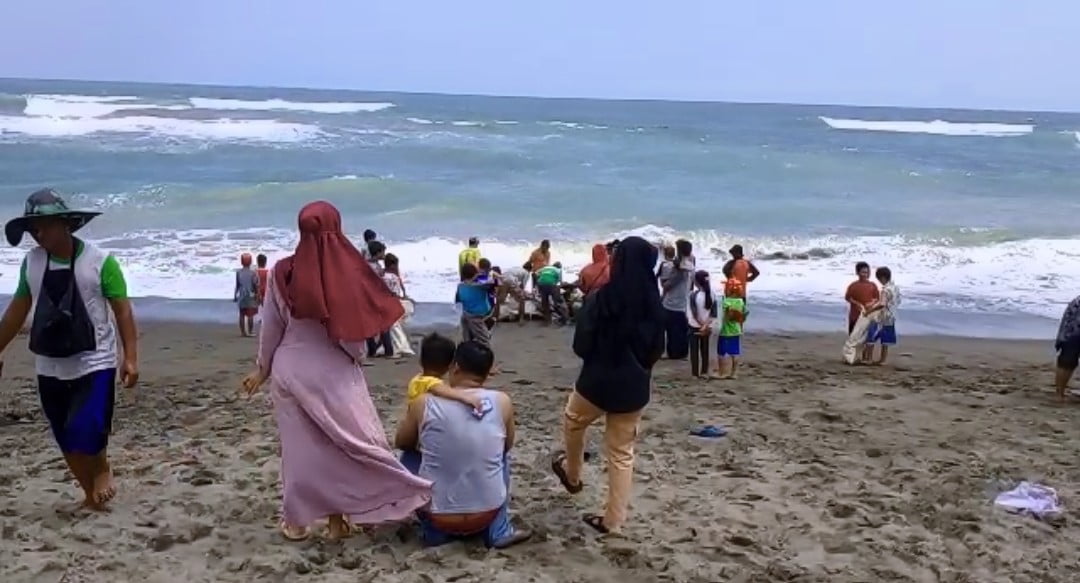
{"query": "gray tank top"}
(463, 456)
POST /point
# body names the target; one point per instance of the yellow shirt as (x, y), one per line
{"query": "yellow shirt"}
(421, 384)
(468, 255)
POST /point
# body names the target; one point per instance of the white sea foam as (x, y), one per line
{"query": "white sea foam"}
(467, 123)
(283, 105)
(260, 130)
(419, 120)
(1044, 274)
(56, 116)
(80, 106)
(935, 127)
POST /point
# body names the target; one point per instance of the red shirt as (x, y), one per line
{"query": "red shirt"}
(863, 292)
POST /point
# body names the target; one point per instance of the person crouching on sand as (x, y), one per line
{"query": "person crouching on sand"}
(512, 284)
(71, 286)
(246, 295)
(321, 304)
(466, 456)
(883, 329)
(619, 336)
(1067, 345)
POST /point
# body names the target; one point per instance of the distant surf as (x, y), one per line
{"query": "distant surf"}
(936, 127)
(55, 116)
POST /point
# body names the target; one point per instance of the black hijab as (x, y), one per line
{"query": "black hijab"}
(619, 333)
(630, 296)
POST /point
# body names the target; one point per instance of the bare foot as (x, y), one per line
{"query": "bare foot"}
(104, 487)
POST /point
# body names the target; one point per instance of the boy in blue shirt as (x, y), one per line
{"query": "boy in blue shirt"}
(475, 304)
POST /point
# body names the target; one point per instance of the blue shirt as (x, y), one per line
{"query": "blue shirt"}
(473, 299)
(485, 278)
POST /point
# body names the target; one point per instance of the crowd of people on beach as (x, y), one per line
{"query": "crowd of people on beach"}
(329, 305)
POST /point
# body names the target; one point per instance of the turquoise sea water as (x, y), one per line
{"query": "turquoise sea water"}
(974, 211)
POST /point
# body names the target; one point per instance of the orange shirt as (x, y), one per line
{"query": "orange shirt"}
(863, 292)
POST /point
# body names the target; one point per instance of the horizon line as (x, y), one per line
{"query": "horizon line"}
(216, 85)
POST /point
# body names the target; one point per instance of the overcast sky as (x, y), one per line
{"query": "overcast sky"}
(985, 54)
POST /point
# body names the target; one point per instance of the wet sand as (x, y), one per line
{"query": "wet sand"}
(829, 473)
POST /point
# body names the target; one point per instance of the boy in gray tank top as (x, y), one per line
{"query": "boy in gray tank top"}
(465, 457)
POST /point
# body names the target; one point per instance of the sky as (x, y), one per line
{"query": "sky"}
(988, 54)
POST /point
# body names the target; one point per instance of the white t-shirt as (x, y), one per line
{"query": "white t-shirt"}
(696, 314)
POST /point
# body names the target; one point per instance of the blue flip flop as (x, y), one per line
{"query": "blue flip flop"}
(709, 431)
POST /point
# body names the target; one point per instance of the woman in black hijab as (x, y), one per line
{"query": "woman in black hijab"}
(619, 336)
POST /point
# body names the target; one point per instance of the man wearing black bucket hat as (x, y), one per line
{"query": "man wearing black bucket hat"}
(71, 286)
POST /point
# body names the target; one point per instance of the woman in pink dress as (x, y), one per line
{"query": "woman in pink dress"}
(321, 305)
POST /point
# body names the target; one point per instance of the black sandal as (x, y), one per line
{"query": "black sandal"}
(558, 467)
(596, 522)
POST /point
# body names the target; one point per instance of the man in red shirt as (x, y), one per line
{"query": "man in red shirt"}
(861, 294)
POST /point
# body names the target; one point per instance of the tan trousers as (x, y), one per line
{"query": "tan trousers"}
(620, 433)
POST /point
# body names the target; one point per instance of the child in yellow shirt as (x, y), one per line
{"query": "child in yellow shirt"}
(436, 356)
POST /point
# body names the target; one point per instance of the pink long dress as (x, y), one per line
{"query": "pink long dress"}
(334, 455)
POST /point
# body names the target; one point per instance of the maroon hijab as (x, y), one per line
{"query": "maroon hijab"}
(327, 279)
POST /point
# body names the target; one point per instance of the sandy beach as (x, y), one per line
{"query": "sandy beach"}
(829, 473)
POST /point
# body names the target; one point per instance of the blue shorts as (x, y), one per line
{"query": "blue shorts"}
(729, 346)
(886, 335)
(80, 410)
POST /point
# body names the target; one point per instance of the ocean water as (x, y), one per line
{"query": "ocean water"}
(975, 211)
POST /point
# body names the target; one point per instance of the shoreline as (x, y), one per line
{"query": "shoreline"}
(765, 318)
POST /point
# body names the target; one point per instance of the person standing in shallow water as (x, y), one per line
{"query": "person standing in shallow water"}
(71, 287)
(619, 336)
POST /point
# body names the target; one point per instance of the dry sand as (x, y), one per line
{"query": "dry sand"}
(830, 473)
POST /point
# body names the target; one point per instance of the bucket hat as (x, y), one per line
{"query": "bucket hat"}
(45, 203)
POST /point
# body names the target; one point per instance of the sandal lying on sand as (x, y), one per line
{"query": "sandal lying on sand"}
(558, 467)
(596, 523)
(294, 533)
(709, 431)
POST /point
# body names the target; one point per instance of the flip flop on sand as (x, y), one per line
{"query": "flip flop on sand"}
(294, 533)
(711, 431)
(596, 523)
(558, 467)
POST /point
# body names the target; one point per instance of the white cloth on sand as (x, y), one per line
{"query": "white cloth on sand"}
(1030, 497)
(857, 339)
